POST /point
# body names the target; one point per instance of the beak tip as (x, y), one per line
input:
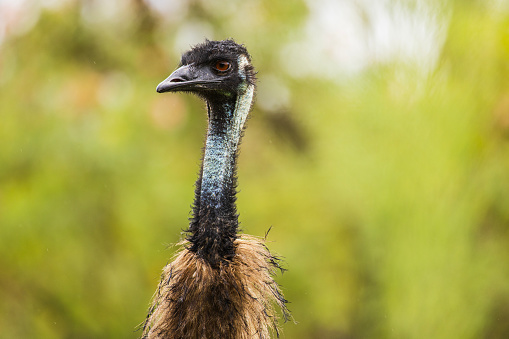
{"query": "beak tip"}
(161, 88)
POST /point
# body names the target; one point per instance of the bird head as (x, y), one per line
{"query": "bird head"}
(212, 69)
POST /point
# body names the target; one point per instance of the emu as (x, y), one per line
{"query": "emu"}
(221, 283)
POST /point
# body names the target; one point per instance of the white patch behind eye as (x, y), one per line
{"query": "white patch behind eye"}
(243, 62)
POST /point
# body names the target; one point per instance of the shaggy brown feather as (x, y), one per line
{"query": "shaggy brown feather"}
(234, 301)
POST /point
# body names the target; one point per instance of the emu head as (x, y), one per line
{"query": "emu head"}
(212, 70)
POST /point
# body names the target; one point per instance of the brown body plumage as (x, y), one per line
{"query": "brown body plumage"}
(236, 300)
(220, 284)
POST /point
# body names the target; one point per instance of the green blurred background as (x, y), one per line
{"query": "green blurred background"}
(378, 151)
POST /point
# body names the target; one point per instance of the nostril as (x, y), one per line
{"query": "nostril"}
(179, 79)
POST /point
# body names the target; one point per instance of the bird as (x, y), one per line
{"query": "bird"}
(220, 283)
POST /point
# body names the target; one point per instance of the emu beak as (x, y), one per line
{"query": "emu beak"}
(189, 78)
(177, 79)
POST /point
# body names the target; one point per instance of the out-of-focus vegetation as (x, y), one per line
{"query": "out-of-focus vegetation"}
(388, 191)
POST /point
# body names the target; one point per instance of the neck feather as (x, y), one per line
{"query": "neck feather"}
(214, 224)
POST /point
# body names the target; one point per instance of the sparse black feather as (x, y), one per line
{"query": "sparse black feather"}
(210, 51)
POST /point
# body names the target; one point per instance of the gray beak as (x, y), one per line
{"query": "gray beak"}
(179, 78)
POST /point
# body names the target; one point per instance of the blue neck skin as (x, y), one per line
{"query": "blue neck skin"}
(219, 160)
(214, 224)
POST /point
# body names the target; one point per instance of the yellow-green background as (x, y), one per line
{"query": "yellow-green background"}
(387, 191)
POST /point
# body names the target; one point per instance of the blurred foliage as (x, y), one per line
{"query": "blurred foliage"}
(388, 192)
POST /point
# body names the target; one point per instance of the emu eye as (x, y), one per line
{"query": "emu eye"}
(222, 66)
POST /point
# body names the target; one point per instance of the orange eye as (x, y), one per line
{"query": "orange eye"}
(222, 66)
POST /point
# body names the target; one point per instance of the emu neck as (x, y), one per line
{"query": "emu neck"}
(214, 223)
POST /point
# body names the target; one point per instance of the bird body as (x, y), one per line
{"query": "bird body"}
(220, 284)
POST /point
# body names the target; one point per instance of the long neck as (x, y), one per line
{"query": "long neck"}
(213, 227)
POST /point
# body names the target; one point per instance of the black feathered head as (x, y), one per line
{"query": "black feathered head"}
(212, 68)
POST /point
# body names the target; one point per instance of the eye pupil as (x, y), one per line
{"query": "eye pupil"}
(222, 66)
